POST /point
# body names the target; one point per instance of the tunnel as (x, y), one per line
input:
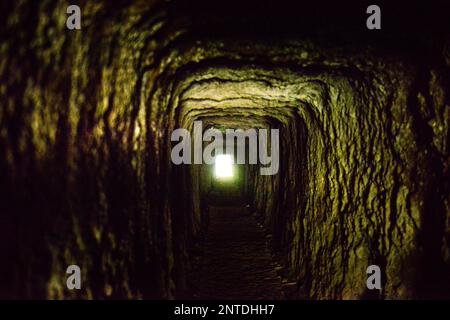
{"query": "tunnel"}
(87, 176)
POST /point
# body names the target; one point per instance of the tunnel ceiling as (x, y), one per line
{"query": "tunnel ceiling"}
(86, 118)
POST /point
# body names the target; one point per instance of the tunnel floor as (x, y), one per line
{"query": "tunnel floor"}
(236, 261)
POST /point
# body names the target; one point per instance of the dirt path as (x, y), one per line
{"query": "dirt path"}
(236, 263)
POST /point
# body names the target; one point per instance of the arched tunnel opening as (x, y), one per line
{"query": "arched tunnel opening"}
(358, 174)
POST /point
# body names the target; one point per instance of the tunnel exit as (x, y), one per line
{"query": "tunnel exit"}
(224, 167)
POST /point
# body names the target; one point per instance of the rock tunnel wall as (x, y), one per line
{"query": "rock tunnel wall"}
(79, 151)
(86, 177)
(354, 187)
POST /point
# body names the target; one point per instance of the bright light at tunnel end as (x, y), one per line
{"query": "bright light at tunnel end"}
(258, 144)
(223, 166)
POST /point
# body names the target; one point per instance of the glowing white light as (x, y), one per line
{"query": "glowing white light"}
(223, 166)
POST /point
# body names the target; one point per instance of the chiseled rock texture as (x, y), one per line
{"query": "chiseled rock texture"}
(85, 171)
